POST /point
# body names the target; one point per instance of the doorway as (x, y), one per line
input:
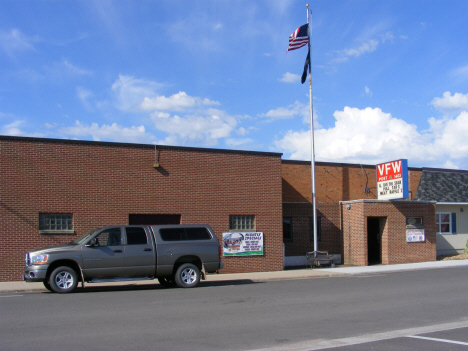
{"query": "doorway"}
(153, 219)
(374, 240)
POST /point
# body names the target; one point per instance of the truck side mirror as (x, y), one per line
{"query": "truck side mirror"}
(92, 243)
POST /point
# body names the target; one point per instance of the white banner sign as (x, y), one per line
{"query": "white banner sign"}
(242, 244)
(415, 235)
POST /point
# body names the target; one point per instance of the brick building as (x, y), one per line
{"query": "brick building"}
(84, 185)
(351, 222)
(98, 184)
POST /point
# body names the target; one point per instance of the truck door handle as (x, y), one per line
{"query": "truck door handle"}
(147, 249)
(117, 250)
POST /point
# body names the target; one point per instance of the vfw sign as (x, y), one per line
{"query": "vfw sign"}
(392, 180)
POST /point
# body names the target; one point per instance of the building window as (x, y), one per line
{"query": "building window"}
(242, 223)
(55, 222)
(319, 229)
(287, 229)
(413, 220)
(446, 223)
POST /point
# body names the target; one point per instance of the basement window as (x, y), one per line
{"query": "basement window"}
(56, 223)
(242, 223)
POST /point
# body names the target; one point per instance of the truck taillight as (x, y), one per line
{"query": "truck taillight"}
(220, 251)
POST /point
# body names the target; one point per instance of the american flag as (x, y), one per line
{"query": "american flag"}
(299, 38)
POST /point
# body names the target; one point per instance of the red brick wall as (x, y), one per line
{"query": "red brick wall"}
(102, 183)
(334, 182)
(330, 221)
(395, 249)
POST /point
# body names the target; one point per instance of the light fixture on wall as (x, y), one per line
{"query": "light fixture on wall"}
(348, 206)
(156, 158)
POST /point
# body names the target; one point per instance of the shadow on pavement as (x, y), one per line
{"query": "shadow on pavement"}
(89, 288)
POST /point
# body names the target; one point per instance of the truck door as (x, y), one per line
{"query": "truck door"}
(140, 256)
(104, 259)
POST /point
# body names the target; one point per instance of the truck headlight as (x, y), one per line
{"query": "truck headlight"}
(39, 259)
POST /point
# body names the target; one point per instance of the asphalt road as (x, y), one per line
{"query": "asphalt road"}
(302, 314)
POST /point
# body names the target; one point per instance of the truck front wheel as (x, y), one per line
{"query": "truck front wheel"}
(47, 285)
(187, 276)
(63, 280)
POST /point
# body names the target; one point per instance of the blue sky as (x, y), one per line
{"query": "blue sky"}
(390, 78)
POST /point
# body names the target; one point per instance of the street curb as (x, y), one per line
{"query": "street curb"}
(21, 286)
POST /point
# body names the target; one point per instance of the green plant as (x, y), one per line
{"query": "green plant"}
(466, 248)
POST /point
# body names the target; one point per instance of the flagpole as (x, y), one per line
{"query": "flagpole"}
(312, 149)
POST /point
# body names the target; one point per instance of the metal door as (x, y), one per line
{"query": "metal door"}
(140, 257)
(106, 258)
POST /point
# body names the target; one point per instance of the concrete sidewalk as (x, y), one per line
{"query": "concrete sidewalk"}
(306, 273)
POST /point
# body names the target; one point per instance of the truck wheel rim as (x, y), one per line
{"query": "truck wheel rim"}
(64, 280)
(189, 276)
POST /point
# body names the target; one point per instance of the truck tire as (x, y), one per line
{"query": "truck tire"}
(63, 280)
(167, 282)
(187, 276)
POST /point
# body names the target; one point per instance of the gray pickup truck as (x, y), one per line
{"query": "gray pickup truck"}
(174, 254)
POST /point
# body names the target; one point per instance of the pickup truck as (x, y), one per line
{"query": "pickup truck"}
(177, 255)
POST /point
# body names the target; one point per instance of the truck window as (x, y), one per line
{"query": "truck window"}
(176, 234)
(197, 234)
(136, 236)
(109, 237)
(172, 234)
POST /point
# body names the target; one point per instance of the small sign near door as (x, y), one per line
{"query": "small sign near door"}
(415, 235)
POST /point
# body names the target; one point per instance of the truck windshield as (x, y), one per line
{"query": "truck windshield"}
(83, 238)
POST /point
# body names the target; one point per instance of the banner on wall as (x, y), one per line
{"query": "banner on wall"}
(242, 244)
(415, 235)
(392, 180)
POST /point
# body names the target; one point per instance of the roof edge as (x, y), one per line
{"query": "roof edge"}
(386, 201)
(135, 145)
(339, 164)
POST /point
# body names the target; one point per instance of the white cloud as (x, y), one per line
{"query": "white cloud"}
(451, 135)
(460, 73)
(387, 36)
(290, 78)
(65, 67)
(372, 136)
(176, 102)
(129, 92)
(367, 91)
(83, 96)
(451, 103)
(112, 132)
(196, 123)
(14, 128)
(197, 128)
(15, 41)
(366, 47)
(293, 110)
(242, 131)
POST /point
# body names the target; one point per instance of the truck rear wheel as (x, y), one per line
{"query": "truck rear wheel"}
(187, 276)
(63, 280)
